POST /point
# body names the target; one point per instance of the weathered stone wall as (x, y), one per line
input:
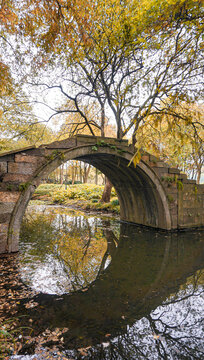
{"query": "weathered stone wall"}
(153, 194)
(185, 197)
(16, 169)
(191, 205)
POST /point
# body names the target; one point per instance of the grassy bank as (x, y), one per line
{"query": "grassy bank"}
(85, 196)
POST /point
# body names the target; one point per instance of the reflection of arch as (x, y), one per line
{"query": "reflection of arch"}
(141, 195)
(127, 290)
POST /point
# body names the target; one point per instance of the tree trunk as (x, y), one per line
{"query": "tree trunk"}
(107, 191)
(198, 176)
(108, 186)
(80, 171)
(74, 173)
(102, 119)
(96, 177)
(86, 172)
(61, 174)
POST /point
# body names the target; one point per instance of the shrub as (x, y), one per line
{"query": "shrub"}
(115, 202)
(90, 194)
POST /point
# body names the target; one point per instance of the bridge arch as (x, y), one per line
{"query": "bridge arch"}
(140, 191)
(152, 194)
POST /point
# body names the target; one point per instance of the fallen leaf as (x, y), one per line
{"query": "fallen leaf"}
(105, 345)
(83, 351)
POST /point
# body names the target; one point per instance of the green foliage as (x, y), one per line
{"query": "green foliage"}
(170, 198)
(103, 143)
(168, 179)
(23, 186)
(55, 153)
(115, 202)
(179, 185)
(87, 195)
(81, 192)
(9, 337)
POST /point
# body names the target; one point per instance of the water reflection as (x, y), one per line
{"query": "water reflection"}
(146, 304)
(63, 251)
(173, 330)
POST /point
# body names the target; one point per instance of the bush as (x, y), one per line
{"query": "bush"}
(115, 202)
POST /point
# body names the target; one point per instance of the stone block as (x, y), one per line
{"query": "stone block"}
(200, 190)
(174, 171)
(174, 221)
(3, 243)
(188, 181)
(5, 218)
(21, 168)
(170, 189)
(8, 196)
(145, 158)
(189, 193)
(190, 203)
(4, 228)
(8, 187)
(187, 187)
(161, 164)
(188, 220)
(174, 210)
(16, 178)
(153, 159)
(29, 159)
(3, 167)
(36, 152)
(90, 139)
(85, 139)
(199, 212)
(161, 171)
(6, 157)
(182, 177)
(63, 144)
(200, 200)
(6, 207)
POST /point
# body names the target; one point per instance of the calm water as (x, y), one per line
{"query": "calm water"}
(114, 291)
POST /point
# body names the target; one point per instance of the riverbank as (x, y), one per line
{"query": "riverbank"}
(79, 196)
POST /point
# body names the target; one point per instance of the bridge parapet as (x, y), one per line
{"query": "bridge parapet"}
(153, 188)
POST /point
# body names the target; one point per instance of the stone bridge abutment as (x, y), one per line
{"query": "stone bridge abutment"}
(152, 194)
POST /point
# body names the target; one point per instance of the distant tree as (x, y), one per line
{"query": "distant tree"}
(21, 133)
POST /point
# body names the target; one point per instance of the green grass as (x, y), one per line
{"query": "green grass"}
(86, 196)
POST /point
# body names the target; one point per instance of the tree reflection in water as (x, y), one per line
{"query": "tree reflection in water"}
(63, 252)
(146, 304)
(174, 330)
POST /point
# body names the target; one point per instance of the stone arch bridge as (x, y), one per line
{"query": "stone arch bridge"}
(152, 194)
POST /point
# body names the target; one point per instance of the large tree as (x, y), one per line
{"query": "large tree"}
(128, 56)
(179, 143)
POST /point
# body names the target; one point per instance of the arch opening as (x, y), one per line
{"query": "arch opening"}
(138, 192)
